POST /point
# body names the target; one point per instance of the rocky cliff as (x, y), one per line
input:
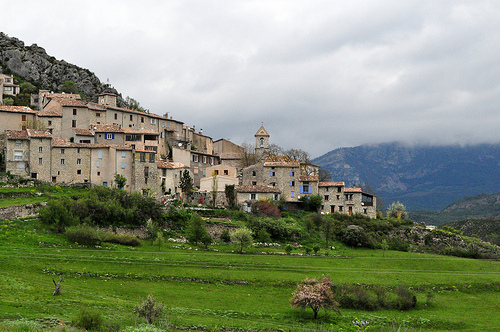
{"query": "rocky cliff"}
(34, 65)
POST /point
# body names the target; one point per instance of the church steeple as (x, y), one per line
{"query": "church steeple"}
(261, 141)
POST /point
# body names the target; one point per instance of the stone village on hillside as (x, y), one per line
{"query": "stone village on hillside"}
(89, 143)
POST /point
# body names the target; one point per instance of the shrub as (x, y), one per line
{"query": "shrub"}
(89, 319)
(123, 239)
(225, 236)
(288, 249)
(57, 215)
(195, 232)
(149, 309)
(405, 300)
(355, 236)
(83, 234)
(266, 209)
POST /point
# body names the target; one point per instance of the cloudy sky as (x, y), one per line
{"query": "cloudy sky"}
(319, 74)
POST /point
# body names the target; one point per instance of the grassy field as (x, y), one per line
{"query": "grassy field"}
(38, 194)
(220, 288)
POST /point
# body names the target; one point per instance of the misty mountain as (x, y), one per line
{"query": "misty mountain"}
(421, 177)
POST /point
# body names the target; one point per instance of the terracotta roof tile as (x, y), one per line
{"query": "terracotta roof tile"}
(170, 165)
(16, 134)
(70, 102)
(106, 128)
(331, 184)
(257, 189)
(16, 109)
(52, 112)
(353, 190)
(60, 95)
(83, 132)
(39, 133)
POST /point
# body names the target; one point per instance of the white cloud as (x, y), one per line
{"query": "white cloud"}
(319, 74)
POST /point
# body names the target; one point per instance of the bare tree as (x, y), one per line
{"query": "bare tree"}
(324, 175)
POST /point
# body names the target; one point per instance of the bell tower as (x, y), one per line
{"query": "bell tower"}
(261, 142)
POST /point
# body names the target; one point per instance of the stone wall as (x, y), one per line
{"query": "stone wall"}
(15, 212)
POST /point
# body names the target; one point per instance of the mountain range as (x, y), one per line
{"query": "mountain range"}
(420, 177)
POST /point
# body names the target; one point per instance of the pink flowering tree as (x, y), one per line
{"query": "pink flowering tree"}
(315, 295)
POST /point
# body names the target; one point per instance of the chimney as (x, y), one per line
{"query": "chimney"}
(201, 131)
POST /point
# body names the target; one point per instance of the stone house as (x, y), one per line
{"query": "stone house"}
(170, 174)
(224, 175)
(247, 195)
(16, 117)
(7, 85)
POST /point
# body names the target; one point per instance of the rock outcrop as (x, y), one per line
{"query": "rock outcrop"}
(34, 65)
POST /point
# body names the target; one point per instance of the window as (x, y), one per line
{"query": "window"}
(116, 116)
(291, 183)
(262, 142)
(146, 172)
(292, 194)
(226, 172)
(98, 115)
(50, 122)
(74, 111)
(18, 155)
(98, 173)
(142, 119)
(110, 136)
(131, 118)
(254, 173)
(97, 164)
(204, 159)
(195, 158)
(73, 123)
(253, 196)
(272, 173)
(62, 161)
(78, 150)
(78, 161)
(78, 171)
(99, 154)
(123, 165)
(339, 189)
(142, 157)
(104, 184)
(195, 170)
(292, 173)
(40, 149)
(163, 124)
(254, 183)
(341, 208)
(326, 197)
(8, 88)
(124, 154)
(153, 121)
(164, 172)
(62, 151)
(211, 160)
(305, 189)
(23, 117)
(151, 157)
(276, 197)
(18, 142)
(40, 161)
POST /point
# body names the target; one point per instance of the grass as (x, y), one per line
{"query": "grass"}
(38, 194)
(215, 289)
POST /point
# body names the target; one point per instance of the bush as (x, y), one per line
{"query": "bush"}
(149, 309)
(355, 236)
(84, 234)
(57, 215)
(125, 239)
(89, 319)
(225, 236)
(266, 209)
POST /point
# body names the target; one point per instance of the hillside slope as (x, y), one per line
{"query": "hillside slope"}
(421, 177)
(34, 65)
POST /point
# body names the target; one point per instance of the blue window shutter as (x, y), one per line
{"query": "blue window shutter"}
(291, 173)
(290, 183)
(105, 136)
(301, 189)
(113, 136)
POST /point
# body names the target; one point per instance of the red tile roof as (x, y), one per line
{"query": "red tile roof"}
(70, 102)
(353, 190)
(39, 133)
(106, 128)
(16, 109)
(83, 132)
(16, 134)
(52, 112)
(331, 184)
(257, 189)
(170, 165)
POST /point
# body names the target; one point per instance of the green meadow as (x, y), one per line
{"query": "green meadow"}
(221, 290)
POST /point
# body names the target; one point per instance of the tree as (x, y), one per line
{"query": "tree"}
(215, 185)
(328, 227)
(324, 175)
(249, 157)
(298, 154)
(230, 195)
(68, 87)
(311, 203)
(134, 104)
(149, 309)
(120, 181)
(186, 183)
(195, 232)
(159, 239)
(243, 237)
(315, 295)
(28, 88)
(397, 210)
